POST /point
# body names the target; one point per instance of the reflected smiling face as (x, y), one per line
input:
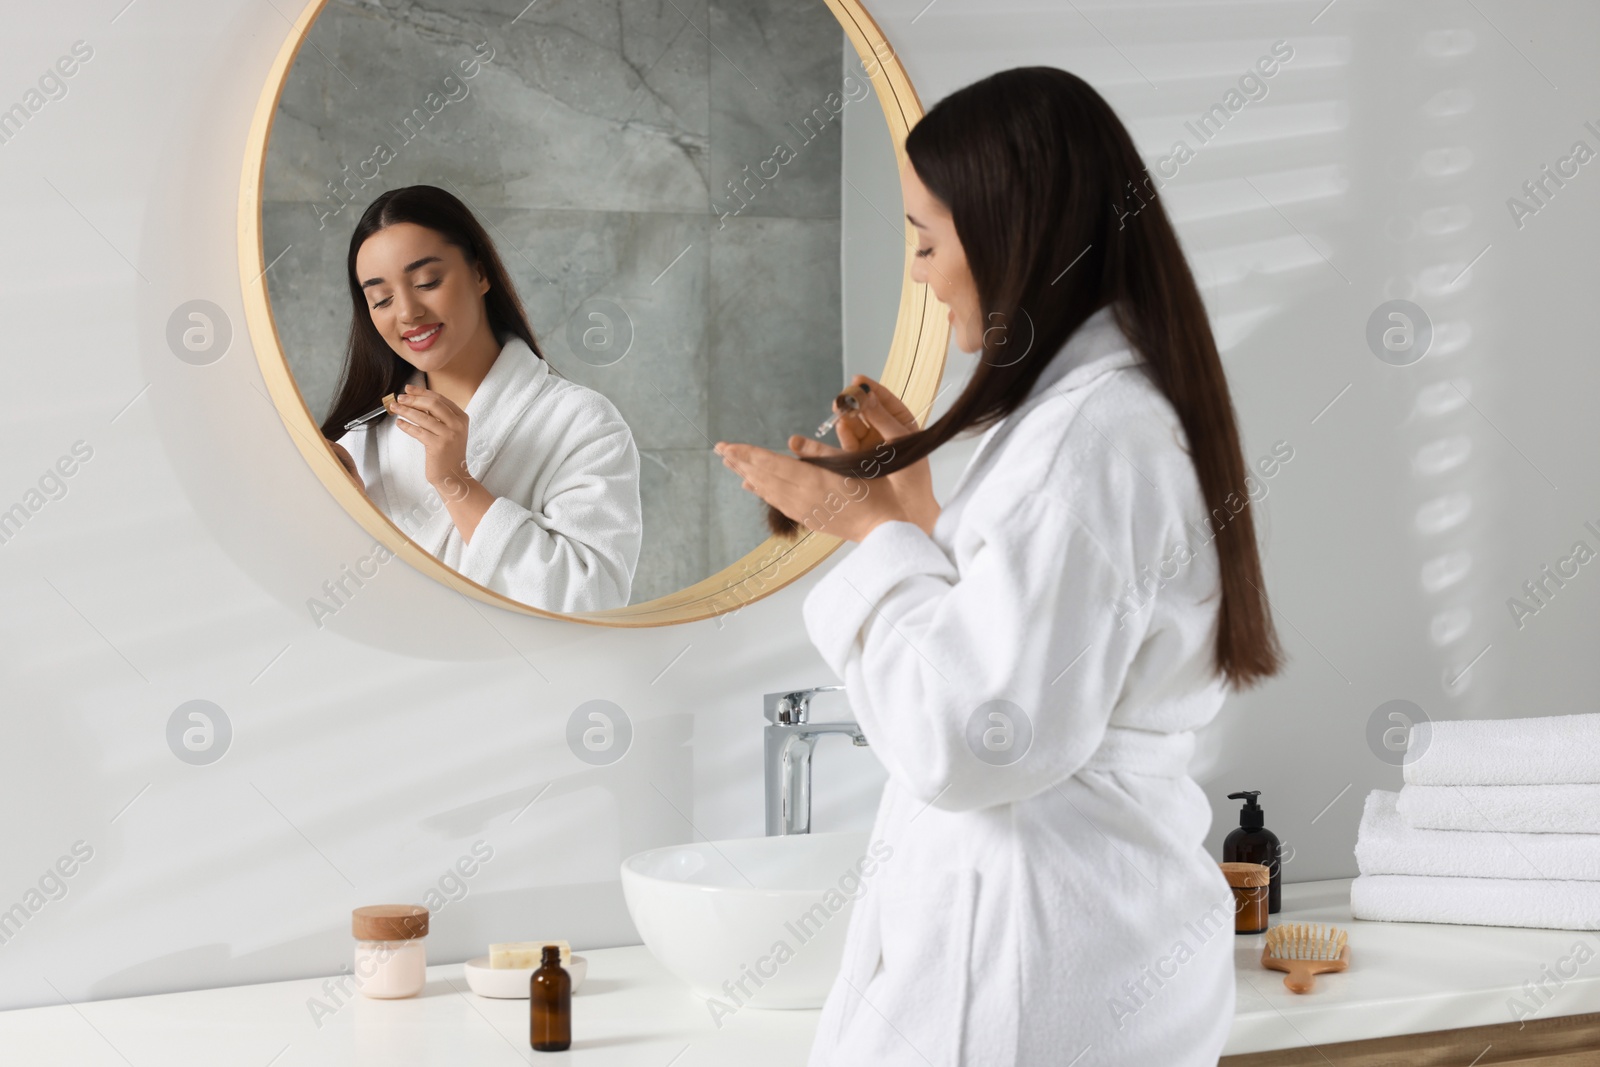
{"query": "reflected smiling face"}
(426, 300)
(940, 261)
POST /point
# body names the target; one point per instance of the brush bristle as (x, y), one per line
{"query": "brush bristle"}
(1306, 941)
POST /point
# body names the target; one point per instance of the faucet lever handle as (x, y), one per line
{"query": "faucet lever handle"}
(792, 706)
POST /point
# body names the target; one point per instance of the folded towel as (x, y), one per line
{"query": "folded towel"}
(1505, 809)
(1385, 844)
(1418, 898)
(1562, 749)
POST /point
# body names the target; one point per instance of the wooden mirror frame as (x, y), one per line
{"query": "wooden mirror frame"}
(913, 369)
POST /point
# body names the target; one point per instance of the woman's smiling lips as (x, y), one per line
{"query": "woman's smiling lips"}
(422, 338)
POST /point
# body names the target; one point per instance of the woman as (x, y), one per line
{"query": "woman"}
(1030, 660)
(523, 481)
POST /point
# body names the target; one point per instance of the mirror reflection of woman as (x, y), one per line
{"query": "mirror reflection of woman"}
(1031, 657)
(519, 479)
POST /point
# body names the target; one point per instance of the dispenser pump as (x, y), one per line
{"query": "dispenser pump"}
(1251, 816)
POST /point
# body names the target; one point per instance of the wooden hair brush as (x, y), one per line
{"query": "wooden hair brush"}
(1305, 950)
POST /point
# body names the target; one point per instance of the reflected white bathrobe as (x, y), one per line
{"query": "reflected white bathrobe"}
(1062, 904)
(564, 531)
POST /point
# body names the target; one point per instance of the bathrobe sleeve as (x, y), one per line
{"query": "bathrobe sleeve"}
(359, 443)
(577, 547)
(926, 649)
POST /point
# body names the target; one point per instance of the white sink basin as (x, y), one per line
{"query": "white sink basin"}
(718, 913)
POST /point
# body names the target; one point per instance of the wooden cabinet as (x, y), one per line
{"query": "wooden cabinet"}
(1562, 1041)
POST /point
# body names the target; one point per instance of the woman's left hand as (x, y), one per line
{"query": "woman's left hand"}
(348, 463)
(816, 498)
(441, 426)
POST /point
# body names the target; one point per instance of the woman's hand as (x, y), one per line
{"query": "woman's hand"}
(348, 463)
(885, 412)
(441, 426)
(847, 507)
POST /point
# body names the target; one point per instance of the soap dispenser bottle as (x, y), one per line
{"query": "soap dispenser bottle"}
(1252, 842)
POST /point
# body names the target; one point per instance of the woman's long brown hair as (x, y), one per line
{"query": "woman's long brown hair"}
(371, 368)
(1058, 218)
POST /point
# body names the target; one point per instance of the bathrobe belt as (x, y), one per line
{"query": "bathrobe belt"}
(1143, 752)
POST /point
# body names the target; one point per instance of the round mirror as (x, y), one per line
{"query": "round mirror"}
(562, 248)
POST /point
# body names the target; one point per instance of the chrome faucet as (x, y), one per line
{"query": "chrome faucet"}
(790, 737)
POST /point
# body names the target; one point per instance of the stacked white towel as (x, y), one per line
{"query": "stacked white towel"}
(1549, 750)
(1498, 824)
(1387, 844)
(1513, 809)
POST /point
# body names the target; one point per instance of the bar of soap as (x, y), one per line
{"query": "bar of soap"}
(525, 954)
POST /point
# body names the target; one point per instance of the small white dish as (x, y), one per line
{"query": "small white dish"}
(511, 983)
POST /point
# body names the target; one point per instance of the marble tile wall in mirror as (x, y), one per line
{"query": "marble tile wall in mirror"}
(598, 141)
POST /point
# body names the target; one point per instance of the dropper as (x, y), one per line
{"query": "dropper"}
(381, 409)
(845, 402)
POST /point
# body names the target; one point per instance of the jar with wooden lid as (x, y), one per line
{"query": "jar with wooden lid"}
(1251, 884)
(391, 954)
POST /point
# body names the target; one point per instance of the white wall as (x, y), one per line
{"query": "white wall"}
(369, 755)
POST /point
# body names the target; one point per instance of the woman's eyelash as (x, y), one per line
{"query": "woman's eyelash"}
(925, 251)
(425, 285)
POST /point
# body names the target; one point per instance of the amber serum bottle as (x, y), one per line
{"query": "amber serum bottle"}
(550, 1004)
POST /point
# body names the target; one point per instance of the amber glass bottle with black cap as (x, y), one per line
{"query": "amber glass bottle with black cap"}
(550, 1004)
(1252, 842)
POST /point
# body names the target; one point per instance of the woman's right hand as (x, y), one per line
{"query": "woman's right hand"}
(884, 412)
(348, 463)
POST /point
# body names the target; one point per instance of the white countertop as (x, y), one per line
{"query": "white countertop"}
(1403, 978)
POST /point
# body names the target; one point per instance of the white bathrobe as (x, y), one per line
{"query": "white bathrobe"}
(1063, 903)
(564, 531)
